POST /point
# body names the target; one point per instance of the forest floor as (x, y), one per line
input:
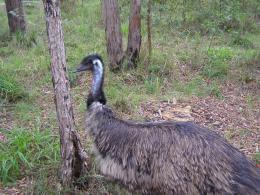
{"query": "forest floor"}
(231, 117)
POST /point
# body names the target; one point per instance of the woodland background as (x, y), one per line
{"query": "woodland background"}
(204, 67)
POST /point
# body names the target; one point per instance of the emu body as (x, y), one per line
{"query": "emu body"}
(164, 157)
(168, 157)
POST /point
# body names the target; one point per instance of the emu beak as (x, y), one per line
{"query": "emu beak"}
(82, 68)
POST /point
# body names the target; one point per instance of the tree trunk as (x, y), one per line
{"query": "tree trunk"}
(15, 14)
(72, 154)
(113, 34)
(184, 4)
(149, 39)
(134, 35)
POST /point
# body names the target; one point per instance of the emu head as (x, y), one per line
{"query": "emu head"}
(94, 64)
(90, 63)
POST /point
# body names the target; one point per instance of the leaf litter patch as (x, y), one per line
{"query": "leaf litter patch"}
(229, 117)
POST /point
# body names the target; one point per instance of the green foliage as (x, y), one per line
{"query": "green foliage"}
(25, 151)
(122, 105)
(124, 29)
(214, 90)
(152, 85)
(26, 112)
(199, 87)
(218, 65)
(251, 58)
(10, 89)
(122, 93)
(196, 46)
(224, 53)
(154, 69)
(195, 86)
(25, 39)
(249, 64)
(72, 77)
(238, 40)
(5, 51)
(208, 16)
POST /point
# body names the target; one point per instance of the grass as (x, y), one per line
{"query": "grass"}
(10, 89)
(198, 86)
(185, 63)
(27, 151)
(218, 62)
(238, 40)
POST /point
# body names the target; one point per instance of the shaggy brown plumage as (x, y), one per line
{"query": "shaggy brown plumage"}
(165, 157)
(169, 157)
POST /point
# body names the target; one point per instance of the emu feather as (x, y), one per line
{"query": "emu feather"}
(165, 157)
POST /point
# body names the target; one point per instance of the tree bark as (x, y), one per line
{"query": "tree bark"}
(134, 34)
(149, 39)
(113, 34)
(15, 14)
(73, 156)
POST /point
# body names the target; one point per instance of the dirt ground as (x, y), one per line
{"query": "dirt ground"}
(231, 117)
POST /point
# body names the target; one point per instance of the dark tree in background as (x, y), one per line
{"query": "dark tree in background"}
(72, 154)
(113, 33)
(134, 34)
(15, 14)
(149, 38)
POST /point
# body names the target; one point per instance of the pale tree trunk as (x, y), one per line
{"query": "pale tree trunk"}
(134, 34)
(149, 39)
(72, 154)
(15, 14)
(113, 33)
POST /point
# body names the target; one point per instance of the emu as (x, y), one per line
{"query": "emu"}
(163, 157)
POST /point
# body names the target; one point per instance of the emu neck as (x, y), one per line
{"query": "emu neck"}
(98, 78)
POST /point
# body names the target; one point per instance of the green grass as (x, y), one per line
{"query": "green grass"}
(27, 151)
(10, 89)
(242, 41)
(121, 91)
(27, 112)
(197, 86)
(218, 62)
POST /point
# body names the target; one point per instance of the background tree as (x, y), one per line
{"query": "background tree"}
(113, 33)
(72, 154)
(134, 34)
(15, 14)
(149, 39)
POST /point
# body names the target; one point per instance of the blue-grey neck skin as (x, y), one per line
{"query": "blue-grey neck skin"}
(98, 74)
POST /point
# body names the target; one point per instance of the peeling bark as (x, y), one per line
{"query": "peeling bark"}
(15, 14)
(134, 35)
(73, 156)
(113, 33)
(149, 39)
